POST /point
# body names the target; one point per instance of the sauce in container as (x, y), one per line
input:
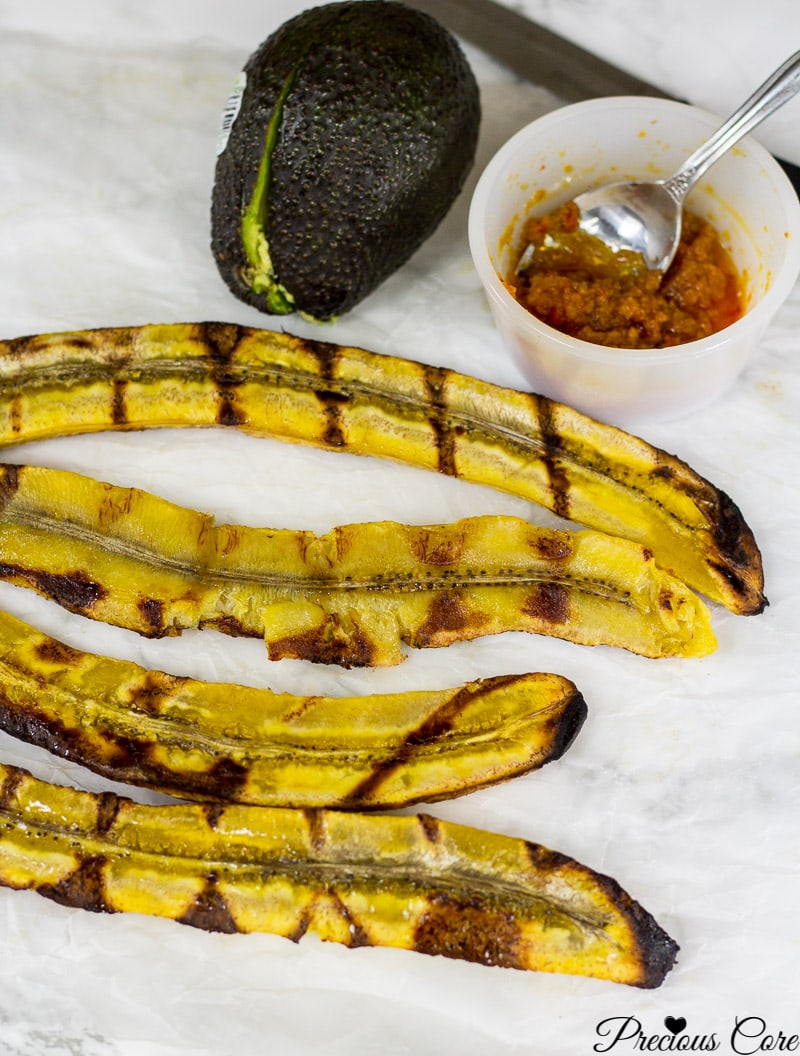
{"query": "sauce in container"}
(575, 283)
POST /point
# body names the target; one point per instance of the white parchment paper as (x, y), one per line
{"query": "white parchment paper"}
(682, 784)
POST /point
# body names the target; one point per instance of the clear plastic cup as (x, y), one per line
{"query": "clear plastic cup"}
(745, 195)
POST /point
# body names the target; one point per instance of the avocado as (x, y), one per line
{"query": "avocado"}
(351, 133)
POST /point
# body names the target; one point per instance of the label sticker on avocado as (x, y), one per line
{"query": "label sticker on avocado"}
(231, 111)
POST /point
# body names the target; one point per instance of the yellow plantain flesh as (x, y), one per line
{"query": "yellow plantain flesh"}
(227, 742)
(353, 596)
(412, 882)
(274, 384)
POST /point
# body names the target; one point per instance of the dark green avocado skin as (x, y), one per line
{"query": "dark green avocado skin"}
(376, 138)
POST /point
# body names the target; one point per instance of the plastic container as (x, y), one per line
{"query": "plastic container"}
(745, 195)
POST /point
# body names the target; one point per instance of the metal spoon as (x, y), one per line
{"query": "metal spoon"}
(645, 216)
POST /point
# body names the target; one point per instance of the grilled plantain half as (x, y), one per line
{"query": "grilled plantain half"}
(351, 597)
(347, 399)
(235, 743)
(413, 882)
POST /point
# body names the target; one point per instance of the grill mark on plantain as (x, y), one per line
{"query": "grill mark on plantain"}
(317, 833)
(8, 788)
(554, 547)
(209, 910)
(108, 806)
(542, 858)
(433, 547)
(10, 479)
(155, 690)
(15, 416)
(152, 612)
(548, 604)
(431, 730)
(230, 625)
(74, 591)
(302, 926)
(327, 644)
(439, 417)
(10, 476)
(330, 393)
(302, 705)
(213, 814)
(737, 582)
(221, 341)
(119, 388)
(84, 888)
(431, 827)
(224, 780)
(228, 414)
(448, 613)
(470, 930)
(358, 936)
(557, 473)
(51, 651)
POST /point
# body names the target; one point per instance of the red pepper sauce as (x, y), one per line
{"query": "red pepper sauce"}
(579, 286)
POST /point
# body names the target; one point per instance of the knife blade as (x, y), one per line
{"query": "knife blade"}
(542, 56)
(533, 51)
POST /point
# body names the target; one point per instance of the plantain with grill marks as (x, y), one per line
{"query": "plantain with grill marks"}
(351, 597)
(347, 399)
(413, 882)
(240, 744)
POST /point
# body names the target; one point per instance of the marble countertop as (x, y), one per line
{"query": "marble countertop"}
(682, 784)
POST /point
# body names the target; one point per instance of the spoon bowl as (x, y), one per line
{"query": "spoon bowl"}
(640, 216)
(646, 216)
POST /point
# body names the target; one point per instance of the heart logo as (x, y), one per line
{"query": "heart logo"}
(675, 1026)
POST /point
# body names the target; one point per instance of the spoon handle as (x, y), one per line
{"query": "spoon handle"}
(774, 92)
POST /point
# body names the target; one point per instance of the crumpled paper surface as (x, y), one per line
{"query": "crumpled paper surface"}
(682, 784)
